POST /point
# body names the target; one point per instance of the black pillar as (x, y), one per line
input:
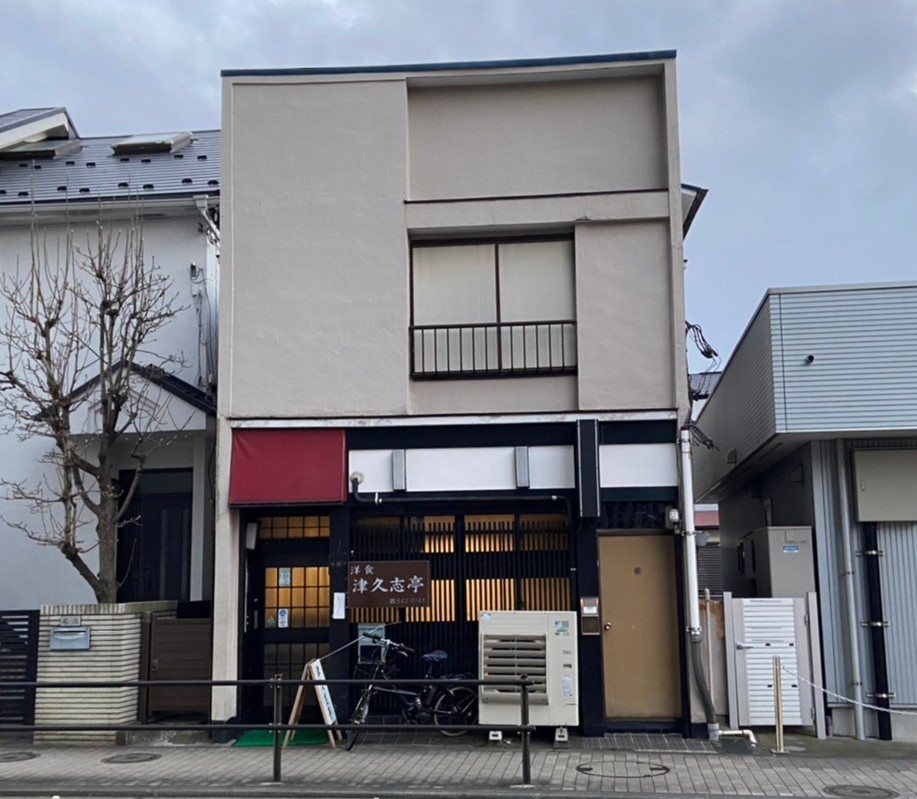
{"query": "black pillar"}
(592, 684)
(876, 623)
(338, 666)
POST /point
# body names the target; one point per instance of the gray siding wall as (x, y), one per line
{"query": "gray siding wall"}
(864, 372)
(740, 413)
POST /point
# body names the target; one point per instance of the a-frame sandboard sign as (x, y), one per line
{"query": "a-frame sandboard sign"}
(313, 671)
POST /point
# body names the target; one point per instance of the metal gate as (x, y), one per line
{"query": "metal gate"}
(503, 561)
(757, 631)
(18, 663)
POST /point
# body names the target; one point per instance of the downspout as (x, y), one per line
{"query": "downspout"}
(850, 589)
(202, 202)
(694, 630)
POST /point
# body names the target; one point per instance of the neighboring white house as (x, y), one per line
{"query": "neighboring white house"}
(815, 425)
(452, 332)
(171, 182)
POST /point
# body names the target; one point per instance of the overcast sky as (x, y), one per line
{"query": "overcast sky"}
(799, 116)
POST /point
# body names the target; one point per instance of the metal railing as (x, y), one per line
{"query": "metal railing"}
(276, 726)
(493, 349)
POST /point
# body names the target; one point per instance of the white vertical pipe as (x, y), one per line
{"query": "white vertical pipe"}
(707, 626)
(687, 523)
(853, 631)
(692, 599)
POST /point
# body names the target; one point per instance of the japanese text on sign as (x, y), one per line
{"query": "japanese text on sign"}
(390, 583)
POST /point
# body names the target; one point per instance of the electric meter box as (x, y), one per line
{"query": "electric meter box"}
(541, 645)
(780, 559)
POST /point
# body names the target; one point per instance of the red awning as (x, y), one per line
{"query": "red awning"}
(286, 467)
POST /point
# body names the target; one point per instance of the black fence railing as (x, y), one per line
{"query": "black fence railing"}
(494, 349)
(277, 726)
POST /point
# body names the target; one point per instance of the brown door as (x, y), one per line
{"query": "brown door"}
(639, 627)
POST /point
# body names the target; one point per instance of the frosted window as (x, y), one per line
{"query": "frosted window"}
(536, 281)
(454, 285)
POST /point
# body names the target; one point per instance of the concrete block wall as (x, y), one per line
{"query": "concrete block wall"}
(114, 655)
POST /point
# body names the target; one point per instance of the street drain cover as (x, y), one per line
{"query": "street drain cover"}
(859, 792)
(16, 757)
(131, 757)
(623, 770)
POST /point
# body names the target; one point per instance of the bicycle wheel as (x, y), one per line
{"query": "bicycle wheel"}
(360, 712)
(457, 705)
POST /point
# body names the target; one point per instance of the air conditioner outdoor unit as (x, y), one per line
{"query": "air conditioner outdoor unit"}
(541, 645)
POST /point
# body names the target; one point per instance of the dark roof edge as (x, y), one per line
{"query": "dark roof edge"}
(158, 376)
(110, 199)
(652, 55)
(699, 196)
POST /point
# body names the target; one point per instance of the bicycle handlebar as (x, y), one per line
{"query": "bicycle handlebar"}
(389, 643)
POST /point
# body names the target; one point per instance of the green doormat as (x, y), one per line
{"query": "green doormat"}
(266, 738)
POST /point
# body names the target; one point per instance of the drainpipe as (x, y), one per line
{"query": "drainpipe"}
(849, 588)
(694, 628)
(202, 201)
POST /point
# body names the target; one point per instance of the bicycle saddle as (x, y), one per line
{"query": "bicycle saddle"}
(436, 656)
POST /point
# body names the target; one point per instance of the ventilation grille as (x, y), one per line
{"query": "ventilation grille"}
(514, 657)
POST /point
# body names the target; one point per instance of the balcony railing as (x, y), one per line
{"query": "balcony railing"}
(494, 349)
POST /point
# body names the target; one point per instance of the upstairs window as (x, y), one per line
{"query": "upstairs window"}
(493, 308)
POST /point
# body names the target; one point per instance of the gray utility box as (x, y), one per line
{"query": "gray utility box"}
(780, 560)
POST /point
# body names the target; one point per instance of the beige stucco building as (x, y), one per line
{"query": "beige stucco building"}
(452, 330)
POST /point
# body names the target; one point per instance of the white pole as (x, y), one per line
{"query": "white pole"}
(707, 626)
(692, 599)
(778, 707)
(687, 524)
(853, 630)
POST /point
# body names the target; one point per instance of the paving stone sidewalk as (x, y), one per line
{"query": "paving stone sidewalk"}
(431, 766)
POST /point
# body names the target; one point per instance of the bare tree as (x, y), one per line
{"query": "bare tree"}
(79, 322)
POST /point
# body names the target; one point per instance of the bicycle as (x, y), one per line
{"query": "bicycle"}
(436, 704)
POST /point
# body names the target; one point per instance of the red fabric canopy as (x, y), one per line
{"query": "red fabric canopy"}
(276, 466)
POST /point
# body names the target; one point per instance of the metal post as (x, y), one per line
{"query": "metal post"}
(277, 694)
(850, 615)
(778, 707)
(526, 733)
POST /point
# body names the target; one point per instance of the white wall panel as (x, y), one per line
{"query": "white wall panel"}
(464, 469)
(552, 467)
(376, 467)
(461, 469)
(636, 465)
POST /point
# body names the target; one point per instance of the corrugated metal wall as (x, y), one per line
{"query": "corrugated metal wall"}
(898, 571)
(864, 372)
(832, 597)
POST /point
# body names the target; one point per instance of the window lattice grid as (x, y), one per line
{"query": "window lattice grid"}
(304, 592)
(285, 527)
(289, 660)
